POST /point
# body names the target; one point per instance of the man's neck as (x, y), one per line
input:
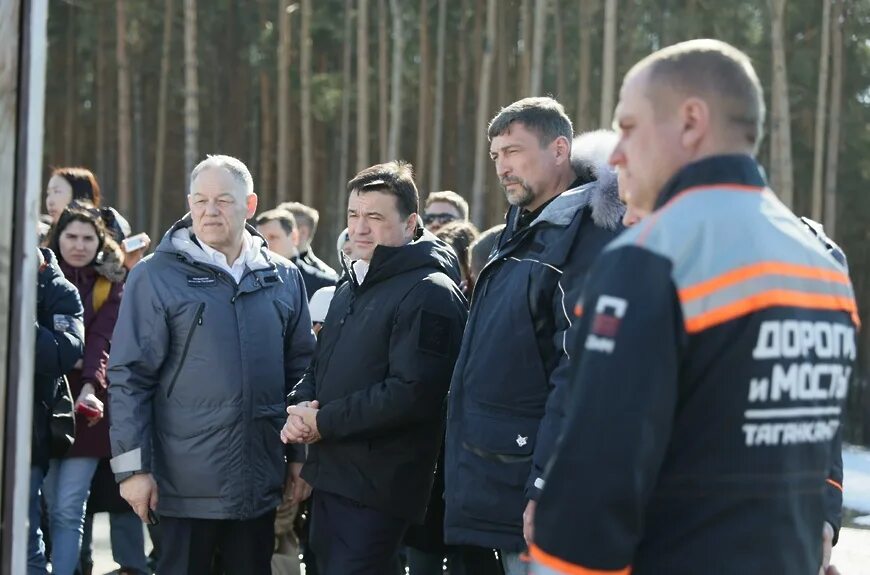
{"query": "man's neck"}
(560, 185)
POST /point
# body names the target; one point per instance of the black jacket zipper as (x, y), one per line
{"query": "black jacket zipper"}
(197, 320)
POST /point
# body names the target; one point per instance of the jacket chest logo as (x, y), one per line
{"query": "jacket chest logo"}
(201, 281)
(522, 441)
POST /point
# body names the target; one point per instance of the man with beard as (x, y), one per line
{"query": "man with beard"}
(503, 414)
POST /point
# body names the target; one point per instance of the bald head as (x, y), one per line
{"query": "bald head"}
(712, 71)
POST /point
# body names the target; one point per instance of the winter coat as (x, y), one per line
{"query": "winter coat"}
(707, 395)
(199, 372)
(99, 325)
(60, 338)
(311, 259)
(380, 373)
(503, 413)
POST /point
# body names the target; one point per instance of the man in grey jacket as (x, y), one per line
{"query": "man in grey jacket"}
(213, 333)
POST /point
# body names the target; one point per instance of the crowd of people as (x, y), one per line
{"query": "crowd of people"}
(641, 371)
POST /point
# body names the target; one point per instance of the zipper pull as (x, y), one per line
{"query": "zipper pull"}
(199, 321)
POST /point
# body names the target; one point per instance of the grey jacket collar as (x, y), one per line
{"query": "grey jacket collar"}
(589, 154)
(179, 240)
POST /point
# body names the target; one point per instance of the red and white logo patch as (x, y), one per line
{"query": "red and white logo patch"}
(609, 311)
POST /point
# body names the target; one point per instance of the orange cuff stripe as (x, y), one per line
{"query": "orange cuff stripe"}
(578, 310)
(772, 298)
(562, 566)
(835, 484)
(755, 270)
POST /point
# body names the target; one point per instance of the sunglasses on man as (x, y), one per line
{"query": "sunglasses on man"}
(440, 218)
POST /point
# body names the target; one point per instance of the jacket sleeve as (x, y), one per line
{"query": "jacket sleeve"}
(589, 517)
(568, 291)
(60, 332)
(139, 347)
(99, 341)
(299, 344)
(834, 486)
(424, 344)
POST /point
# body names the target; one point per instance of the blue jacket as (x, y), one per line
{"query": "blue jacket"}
(200, 369)
(504, 404)
(707, 395)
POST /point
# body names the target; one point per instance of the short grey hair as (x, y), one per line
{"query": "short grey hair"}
(542, 115)
(234, 166)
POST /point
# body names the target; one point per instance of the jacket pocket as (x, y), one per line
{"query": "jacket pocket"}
(495, 460)
(197, 321)
(270, 454)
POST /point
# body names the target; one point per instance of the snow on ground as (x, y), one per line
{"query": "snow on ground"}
(856, 482)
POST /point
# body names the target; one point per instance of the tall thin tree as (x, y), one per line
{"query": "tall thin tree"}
(462, 99)
(538, 44)
(125, 134)
(162, 105)
(191, 89)
(525, 48)
(584, 114)
(781, 117)
(438, 119)
(383, 81)
(398, 67)
(266, 183)
(423, 105)
(837, 22)
(71, 99)
(346, 89)
(478, 191)
(559, 27)
(821, 109)
(305, 85)
(285, 31)
(362, 89)
(608, 68)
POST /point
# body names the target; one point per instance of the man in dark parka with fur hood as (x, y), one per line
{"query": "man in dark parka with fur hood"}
(504, 414)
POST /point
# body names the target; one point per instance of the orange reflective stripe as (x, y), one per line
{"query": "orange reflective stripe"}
(562, 566)
(578, 310)
(759, 269)
(835, 484)
(771, 298)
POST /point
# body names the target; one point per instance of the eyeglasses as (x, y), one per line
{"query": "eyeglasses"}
(440, 218)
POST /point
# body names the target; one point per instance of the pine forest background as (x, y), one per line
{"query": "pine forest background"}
(307, 92)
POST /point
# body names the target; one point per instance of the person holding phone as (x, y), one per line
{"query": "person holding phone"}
(93, 262)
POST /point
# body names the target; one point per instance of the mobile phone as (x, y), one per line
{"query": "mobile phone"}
(87, 410)
(134, 243)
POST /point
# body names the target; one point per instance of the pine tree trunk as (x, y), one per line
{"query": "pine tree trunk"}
(102, 88)
(307, 141)
(265, 182)
(69, 152)
(283, 158)
(383, 81)
(398, 67)
(782, 170)
(191, 89)
(538, 43)
(481, 160)
(830, 212)
(525, 48)
(561, 91)
(160, 145)
(438, 120)
(821, 109)
(584, 116)
(462, 100)
(346, 87)
(608, 73)
(423, 102)
(125, 192)
(362, 91)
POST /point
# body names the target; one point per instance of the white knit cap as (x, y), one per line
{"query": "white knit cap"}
(319, 304)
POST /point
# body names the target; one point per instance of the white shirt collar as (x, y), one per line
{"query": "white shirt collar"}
(360, 269)
(237, 269)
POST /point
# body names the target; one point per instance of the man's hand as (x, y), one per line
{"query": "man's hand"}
(140, 491)
(827, 546)
(305, 417)
(299, 489)
(529, 522)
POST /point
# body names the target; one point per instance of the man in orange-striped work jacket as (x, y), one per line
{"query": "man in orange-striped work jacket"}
(715, 350)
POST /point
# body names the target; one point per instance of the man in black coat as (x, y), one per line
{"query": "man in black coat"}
(60, 343)
(508, 387)
(370, 405)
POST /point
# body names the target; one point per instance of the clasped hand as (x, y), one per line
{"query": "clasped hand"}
(301, 426)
